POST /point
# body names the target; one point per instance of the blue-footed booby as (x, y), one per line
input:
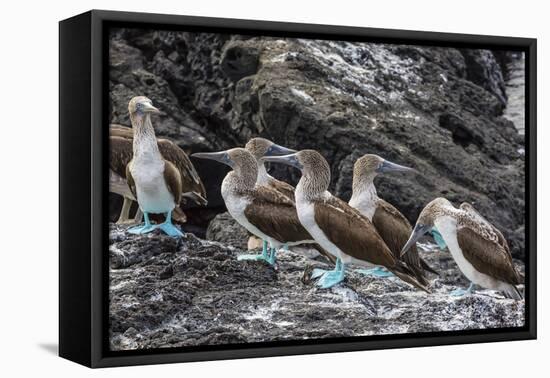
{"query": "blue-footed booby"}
(263, 211)
(160, 175)
(121, 153)
(479, 249)
(337, 227)
(392, 226)
(259, 148)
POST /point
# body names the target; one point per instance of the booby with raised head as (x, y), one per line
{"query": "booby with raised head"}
(337, 227)
(259, 148)
(479, 249)
(392, 226)
(121, 153)
(263, 211)
(160, 175)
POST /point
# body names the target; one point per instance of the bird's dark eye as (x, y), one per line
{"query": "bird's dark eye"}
(139, 105)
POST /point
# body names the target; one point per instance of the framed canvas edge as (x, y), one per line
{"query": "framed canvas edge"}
(99, 357)
(75, 273)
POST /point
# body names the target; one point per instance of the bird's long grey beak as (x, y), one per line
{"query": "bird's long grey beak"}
(147, 107)
(277, 150)
(290, 159)
(221, 156)
(388, 166)
(418, 231)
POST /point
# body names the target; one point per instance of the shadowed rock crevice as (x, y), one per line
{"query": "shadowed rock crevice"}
(462, 135)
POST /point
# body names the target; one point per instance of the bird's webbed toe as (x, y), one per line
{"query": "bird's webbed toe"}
(142, 229)
(462, 292)
(169, 229)
(378, 272)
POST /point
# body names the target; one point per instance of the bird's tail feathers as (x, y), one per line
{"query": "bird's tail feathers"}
(404, 273)
(324, 253)
(195, 197)
(512, 292)
(427, 267)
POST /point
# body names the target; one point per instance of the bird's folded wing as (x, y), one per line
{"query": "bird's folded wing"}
(486, 256)
(395, 229)
(121, 131)
(275, 215)
(120, 154)
(189, 177)
(283, 187)
(172, 178)
(469, 208)
(351, 232)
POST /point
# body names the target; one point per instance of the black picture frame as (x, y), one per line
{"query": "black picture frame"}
(83, 269)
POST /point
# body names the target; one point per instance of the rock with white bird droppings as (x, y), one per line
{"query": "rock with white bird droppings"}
(170, 293)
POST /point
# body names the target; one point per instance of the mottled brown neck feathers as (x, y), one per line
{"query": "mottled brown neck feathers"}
(145, 141)
(315, 180)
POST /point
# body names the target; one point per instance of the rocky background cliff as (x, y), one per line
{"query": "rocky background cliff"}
(453, 114)
(166, 292)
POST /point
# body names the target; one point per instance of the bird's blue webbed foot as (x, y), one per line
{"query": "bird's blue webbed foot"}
(264, 256)
(168, 228)
(316, 273)
(272, 257)
(462, 292)
(375, 272)
(330, 278)
(439, 239)
(143, 228)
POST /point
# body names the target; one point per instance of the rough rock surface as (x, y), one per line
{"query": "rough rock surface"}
(439, 110)
(224, 229)
(169, 293)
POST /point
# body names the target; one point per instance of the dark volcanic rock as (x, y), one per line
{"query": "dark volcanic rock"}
(195, 292)
(439, 110)
(224, 229)
(482, 68)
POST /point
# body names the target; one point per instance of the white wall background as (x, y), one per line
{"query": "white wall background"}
(29, 186)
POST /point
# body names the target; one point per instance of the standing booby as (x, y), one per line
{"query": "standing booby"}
(160, 175)
(121, 153)
(479, 250)
(336, 226)
(392, 226)
(263, 211)
(260, 148)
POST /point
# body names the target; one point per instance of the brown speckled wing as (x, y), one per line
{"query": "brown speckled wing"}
(470, 209)
(275, 215)
(353, 233)
(121, 131)
(487, 256)
(190, 180)
(283, 188)
(395, 229)
(173, 180)
(120, 154)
